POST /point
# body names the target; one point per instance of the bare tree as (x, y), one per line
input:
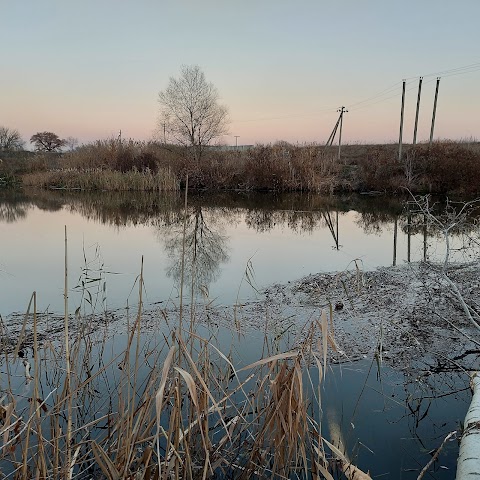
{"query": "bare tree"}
(190, 112)
(10, 139)
(71, 143)
(196, 250)
(47, 142)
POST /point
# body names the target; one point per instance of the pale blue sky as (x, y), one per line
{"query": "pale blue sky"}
(87, 69)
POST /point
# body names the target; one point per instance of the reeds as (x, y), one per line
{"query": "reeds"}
(166, 406)
(114, 164)
(106, 180)
(169, 404)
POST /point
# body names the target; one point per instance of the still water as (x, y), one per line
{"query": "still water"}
(391, 422)
(282, 237)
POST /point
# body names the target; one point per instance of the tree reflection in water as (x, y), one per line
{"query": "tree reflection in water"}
(203, 249)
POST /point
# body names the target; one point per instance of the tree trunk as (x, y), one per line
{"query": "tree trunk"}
(468, 465)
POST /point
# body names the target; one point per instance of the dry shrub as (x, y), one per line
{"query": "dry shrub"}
(447, 167)
(115, 154)
(379, 170)
(443, 167)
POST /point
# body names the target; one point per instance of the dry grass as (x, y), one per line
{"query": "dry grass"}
(281, 167)
(108, 180)
(167, 404)
(445, 167)
(172, 406)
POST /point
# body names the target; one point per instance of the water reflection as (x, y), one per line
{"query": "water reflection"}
(263, 212)
(196, 248)
(209, 216)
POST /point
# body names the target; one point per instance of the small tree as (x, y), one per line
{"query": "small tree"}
(47, 142)
(10, 139)
(190, 112)
(71, 143)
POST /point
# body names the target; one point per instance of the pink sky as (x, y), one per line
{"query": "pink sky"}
(88, 70)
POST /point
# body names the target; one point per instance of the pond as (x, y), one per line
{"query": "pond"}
(232, 246)
(281, 237)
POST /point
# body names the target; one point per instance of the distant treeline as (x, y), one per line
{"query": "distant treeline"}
(443, 167)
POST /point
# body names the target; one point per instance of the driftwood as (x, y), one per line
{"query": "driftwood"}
(468, 465)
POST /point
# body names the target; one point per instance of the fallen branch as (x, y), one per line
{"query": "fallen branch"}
(435, 455)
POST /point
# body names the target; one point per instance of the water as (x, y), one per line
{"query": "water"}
(283, 237)
(390, 421)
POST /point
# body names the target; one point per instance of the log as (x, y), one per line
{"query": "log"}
(468, 464)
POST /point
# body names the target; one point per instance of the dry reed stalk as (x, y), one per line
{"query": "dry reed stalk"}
(182, 271)
(67, 390)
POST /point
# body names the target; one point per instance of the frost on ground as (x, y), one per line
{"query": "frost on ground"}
(409, 313)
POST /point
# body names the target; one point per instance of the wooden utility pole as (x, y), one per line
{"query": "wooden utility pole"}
(400, 139)
(331, 138)
(418, 110)
(395, 234)
(434, 110)
(342, 110)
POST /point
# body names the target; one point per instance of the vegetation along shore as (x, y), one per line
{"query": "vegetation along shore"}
(116, 165)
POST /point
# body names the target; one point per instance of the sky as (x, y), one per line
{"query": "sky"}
(90, 68)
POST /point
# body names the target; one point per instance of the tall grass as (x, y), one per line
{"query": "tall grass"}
(281, 167)
(108, 180)
(163, 402)
(170, 405)
(446, 166)
(443, 167)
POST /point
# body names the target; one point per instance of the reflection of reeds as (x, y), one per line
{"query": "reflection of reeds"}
(169, 405)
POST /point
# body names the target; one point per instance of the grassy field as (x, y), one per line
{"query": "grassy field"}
(445, 167)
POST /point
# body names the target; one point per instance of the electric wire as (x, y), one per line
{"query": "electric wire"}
(372, 100)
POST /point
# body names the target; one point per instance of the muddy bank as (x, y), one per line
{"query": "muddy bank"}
(408, 313)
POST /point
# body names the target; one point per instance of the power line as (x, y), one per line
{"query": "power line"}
(367, 102)
(445, 72)
(379, 94)
(296, 115)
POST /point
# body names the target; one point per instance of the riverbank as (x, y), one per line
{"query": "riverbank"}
(113, 165)
(407, 316)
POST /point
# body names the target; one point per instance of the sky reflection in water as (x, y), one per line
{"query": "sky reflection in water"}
(284, 237)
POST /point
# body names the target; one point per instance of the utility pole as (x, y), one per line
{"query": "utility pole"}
(119, 135)
(342, 110)
(164, 133)
(418, 109)
(236, 141)
(395, 235)
(331, 138)
(434, 111)
(400, 139)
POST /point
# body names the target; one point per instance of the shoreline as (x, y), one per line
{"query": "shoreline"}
(406, 315)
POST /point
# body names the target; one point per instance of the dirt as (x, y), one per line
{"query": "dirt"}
(409, 313)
